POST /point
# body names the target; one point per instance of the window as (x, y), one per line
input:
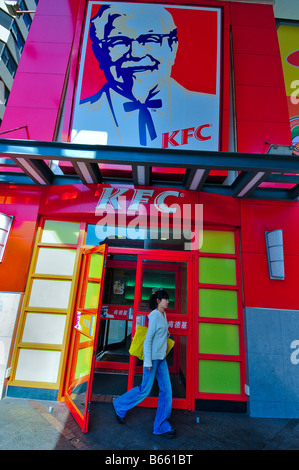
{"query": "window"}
(5, 19)
(26, 17)
(5, 226)
(9, 61)
(17, 36)
(137, 236)
(4, 93)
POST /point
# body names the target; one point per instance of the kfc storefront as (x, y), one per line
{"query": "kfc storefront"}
(101, 249)
(94, 266)
(137, 175)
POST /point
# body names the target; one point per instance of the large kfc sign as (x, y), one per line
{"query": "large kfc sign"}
(149, 77)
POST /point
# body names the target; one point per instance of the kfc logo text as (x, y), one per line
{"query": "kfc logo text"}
(183, 136)
(140, 196)
(148, 214)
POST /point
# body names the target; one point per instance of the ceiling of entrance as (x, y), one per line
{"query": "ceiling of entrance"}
(259, 176)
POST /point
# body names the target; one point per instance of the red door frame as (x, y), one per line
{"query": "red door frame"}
(239, 321)
(100, 365)
(155, 255)
(158, 255)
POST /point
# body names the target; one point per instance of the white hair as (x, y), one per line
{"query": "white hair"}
(107, 13)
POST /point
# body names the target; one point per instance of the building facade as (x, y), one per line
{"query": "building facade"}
(14, 32)
(115, 183)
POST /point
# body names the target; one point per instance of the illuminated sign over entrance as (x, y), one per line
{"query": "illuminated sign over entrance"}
(136, 213)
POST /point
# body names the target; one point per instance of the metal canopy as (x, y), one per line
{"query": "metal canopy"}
(31, 162)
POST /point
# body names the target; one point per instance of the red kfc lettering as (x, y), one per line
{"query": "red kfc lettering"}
(108, 196)
(199, 135)
(169, 140)
(139, 198)
(186, 135)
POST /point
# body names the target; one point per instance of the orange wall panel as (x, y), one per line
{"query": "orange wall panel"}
(23, 203)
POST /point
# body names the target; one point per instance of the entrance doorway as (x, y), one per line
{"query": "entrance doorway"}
(128, 279)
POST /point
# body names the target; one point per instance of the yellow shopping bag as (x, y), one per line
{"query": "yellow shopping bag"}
(170, 344)
(136, 348)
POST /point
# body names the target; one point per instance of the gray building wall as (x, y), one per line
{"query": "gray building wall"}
(272, 353)
(286, 9)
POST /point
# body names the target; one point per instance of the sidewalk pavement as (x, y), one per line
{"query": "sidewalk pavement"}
(27, 424)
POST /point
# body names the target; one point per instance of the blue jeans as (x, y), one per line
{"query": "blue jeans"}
(136, 395)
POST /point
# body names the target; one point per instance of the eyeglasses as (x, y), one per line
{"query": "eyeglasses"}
(123, 42)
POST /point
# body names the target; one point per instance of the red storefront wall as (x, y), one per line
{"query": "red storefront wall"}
(256, 218)
(261, 118)
(261, 105)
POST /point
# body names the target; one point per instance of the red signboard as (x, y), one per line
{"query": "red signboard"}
(99, 199)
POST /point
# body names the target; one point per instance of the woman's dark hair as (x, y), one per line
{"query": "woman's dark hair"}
(159, 294)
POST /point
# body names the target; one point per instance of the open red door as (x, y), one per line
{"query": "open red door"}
(85, 332)
(172, 271)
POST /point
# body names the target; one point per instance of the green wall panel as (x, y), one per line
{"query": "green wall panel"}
(218, 303)
(219, 377)
(215, 338)
(60, 232)
(216, 241)
(217, 271)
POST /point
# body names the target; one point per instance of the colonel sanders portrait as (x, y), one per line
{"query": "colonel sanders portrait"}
(141, 104)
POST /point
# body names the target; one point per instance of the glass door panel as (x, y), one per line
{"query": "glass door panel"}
(157, 276)
(86, 322)
(168, 275)
(154, 274)
(117, 312)
(114, 339)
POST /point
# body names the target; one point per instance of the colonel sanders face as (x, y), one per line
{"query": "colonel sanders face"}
(136, 48)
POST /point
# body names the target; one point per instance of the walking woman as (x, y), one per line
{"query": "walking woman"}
(154, 365)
